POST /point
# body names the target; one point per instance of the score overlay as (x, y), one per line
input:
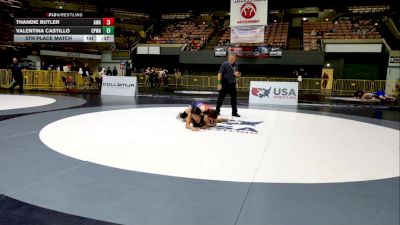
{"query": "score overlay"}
(64, 30)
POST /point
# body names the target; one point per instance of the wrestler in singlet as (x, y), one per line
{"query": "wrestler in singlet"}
(199, 124)
(203, 107)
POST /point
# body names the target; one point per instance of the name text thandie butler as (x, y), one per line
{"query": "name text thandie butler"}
(36, 22)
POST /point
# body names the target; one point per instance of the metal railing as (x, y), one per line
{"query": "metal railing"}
(350, 85)
(60, 81)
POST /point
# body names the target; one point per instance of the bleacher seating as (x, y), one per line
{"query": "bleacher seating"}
(276, 35)
(314, 32)
(15, 4)
(185, 32)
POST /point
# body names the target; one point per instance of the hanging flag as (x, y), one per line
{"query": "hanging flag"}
(250, 34)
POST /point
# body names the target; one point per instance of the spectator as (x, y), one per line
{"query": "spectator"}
(85, 70)
(325, 80)
(128, 71)
(147, 76)
(102, 73)
(165, 76)
(115, 71)
(42, 65)
(16, 70)
(109, 72)
(296, 73)
(161, 76)
(313, 32)
(86, 74)
(302, 72)
(178, 76)
(155, 76)
(152, 77)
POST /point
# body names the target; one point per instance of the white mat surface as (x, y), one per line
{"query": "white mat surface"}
(287, 148)
(8, 102)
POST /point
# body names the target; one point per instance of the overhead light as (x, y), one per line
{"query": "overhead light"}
(326, 19)
(304, 19)
(274, 21)
(328, 65)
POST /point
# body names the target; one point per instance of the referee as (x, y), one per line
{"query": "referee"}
(226, 79)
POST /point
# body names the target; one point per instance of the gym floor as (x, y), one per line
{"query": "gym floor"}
(91, 159)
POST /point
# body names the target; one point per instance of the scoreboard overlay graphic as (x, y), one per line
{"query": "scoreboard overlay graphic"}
(64, 29)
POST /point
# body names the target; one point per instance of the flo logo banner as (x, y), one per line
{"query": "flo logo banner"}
(238, 126)
(276, 93)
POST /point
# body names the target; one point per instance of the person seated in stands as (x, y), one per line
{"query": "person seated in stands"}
(313, 32)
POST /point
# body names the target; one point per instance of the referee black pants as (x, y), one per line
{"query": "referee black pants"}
(231, 89)
(18, 80)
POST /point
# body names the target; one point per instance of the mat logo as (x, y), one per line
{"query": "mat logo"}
(238, 126)
(261, 92)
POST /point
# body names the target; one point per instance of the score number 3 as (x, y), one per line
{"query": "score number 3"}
(108, 21)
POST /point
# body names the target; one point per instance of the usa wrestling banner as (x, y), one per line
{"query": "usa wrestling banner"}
(249, 13)
(251, 34)
(275, 93)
